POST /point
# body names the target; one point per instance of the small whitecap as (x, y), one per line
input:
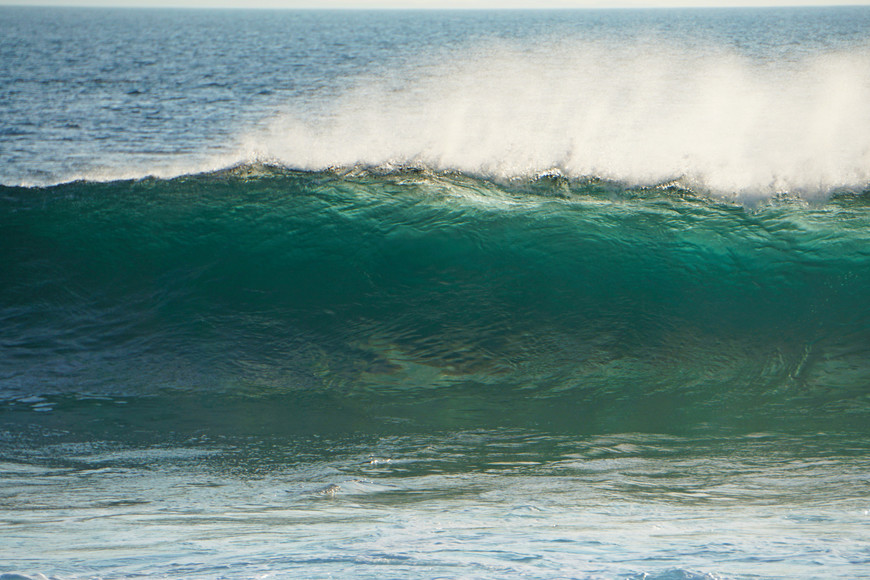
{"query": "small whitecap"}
(31, 399)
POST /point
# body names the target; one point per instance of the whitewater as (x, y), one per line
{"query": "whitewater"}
(469, 294)
(718, 121)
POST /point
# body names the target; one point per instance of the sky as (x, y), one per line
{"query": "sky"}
(430, 3)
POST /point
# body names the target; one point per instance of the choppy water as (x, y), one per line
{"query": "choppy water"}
(459, 504)
(462, 295)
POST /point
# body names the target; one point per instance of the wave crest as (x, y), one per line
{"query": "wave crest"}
(639, 112)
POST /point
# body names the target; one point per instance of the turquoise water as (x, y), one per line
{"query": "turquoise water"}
(578, 298)
(454, 301)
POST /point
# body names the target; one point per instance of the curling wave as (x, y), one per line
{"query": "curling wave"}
(580, 302)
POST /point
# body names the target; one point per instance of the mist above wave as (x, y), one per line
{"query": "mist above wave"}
(638, 112)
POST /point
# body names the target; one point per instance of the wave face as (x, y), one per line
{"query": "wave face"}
(440, 299)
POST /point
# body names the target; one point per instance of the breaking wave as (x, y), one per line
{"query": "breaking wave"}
(588, 302)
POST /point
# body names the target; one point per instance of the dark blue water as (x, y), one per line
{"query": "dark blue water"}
(755, 101)
(434, 294)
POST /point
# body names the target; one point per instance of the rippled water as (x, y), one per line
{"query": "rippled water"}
(481, 504)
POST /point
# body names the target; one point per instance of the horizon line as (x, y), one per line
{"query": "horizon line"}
(427, 5)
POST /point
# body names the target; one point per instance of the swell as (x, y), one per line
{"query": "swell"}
(439, 298)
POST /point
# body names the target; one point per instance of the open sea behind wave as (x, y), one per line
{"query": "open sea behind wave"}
(567, 294)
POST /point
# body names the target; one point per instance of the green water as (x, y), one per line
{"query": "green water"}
(441, 301)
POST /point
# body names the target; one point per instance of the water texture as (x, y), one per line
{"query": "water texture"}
(435, 294)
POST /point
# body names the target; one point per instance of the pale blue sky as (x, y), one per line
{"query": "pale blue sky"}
(431, 3)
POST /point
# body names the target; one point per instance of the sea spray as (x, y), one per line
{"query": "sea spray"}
(639, 112)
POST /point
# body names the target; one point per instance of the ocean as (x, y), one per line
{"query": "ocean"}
(435, 294)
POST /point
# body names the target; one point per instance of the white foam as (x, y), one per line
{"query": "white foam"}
(641, 112)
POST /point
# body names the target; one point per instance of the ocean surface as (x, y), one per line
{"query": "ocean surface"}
(519, 294)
